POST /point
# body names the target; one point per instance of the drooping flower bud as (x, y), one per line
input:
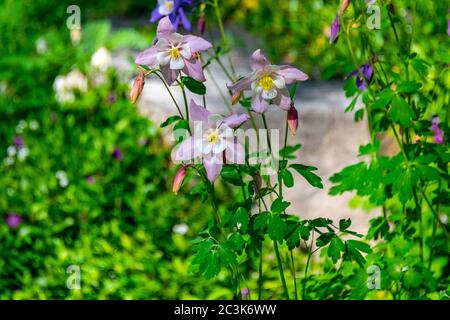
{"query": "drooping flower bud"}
(344, 5)
(335, 28)
(201, 24)
(179, 178)
(138, 86)
(292, 119)
(236, 97)
(257, 183)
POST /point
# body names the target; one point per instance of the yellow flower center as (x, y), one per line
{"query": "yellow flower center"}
(266, 83)
(168, 5)
(175, 53)
(212, 136)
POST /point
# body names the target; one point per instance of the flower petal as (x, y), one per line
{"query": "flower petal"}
(259, 105)
(198, 113)
(194, 69)
(291, 74)
(148, 57)
(196, 43)
(184, 20)
(186, 150)
(155, 16)
(213, 166)
(269, 94)
(283, 100)
(177, 64)
(169, 75)
(165, 28)
(163, 57)
(235, 152)
(236, 120)
(258, 60)
(243, 84)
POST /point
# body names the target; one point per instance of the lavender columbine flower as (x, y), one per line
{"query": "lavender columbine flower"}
(175, 10)
(13, 220)
(174, 53)
(335, 28)
(438, 133)
(117, 154)
(213, 141)
(268, 83)
(363, 74)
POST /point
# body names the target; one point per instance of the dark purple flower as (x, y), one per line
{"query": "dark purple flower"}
(112, 98)
(335, 28)
(117, 154)
(438, 133)
(175, 10)
(90, 179)
(13, 220)
(18, 142)
(363, 74)
(245, 292)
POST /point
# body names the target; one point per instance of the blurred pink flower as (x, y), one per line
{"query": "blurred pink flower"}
(13, 220)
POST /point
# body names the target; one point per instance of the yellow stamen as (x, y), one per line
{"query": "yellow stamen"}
(266, 83)
(212, 136)
(169, 5)
(175, 53)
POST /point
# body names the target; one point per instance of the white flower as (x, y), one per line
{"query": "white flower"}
(405, 268)
(444, 218)
(41, 46)
(101, 59)
(23, 153)
(165, 7)
(9, 161)
(62, 178)
(65, 86)
(180, 228)
(34, 125)
(21, 126)
(11, 151)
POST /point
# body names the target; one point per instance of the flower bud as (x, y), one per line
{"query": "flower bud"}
(292, 119)
(344, 5)
(201, 24)
(138, 86)
(391, 8)
(179, 178)
(257, 183)
(236, 97)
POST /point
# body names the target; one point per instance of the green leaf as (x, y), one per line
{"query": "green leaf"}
(276, 228)
(212, 266)
(236, 241)
(335, 248)
(311, 177)
(359, 115)
(288, 151)
(344, 224)
(409, 87)
(227, 256)
(231, 175)
(325, 238)
(360, 246)
(401, 112)
(352, 104)
(241, 219)
(287, 177)
(279, 205)
(170, 120)
(261, 221)
(193, 85)
(181, 124)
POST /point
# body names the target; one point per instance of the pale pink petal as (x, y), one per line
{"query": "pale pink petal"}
(198, 113)
(243, 84)
(283, 100)
(258, 60)
(235, 153)
(165, 28)
(259, 105)
(186, 150)
(147, 57)
(291, 74)
(193, 68)
(196, 43)
(213, 165)
(169, 75)
(236, 120)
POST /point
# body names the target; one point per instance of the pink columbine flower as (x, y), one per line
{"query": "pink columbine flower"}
(268, 83)
(174, 53)
(213, 141)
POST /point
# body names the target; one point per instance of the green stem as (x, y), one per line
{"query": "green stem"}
(260, 276)
(293, 274)
(280, 268)
(170, 93)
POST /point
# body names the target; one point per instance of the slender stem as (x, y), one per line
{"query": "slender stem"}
(186, 105)
(293, 274)
(307, 266)
(170, 93)
(260, 276)
(280, 268)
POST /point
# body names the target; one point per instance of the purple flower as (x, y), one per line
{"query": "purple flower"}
(245, 292)
(213, 141)
(438, 133)
(18, 142)
(175, 10)
(363, 72)
(448, 28)
(117, 154)
(268, 83)
(13, 220)
(174, 53)
(90, 180)
(335, 28)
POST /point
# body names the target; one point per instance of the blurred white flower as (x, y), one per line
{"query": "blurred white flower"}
(444, 218)
(405, 268)
(21, 126)
(23, 153)
(3, 87)
(66, 86)
(9, 161)
(101, 60)
(34, 125)
(180, 228)
(11, 151)
(62, 178)
(41, 46)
